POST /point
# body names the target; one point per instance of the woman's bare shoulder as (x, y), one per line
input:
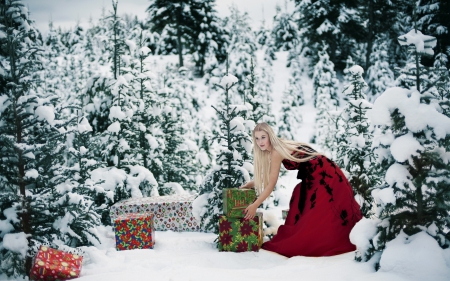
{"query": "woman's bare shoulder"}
(276, 156)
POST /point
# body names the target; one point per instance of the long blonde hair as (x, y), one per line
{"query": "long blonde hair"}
(261, 158)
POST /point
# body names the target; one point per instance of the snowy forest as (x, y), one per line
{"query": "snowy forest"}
(140, 108)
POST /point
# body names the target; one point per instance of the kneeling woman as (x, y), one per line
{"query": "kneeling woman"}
(322, 210)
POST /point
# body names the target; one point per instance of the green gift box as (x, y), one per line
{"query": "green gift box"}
(236, 200)
(239, 234)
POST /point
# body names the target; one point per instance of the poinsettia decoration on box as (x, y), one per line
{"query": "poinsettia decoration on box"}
(240, 235)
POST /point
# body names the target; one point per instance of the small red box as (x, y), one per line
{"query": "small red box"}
(134, 231)
(52, 264)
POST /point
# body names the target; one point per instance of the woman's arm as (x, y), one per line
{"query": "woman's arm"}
(275, 165)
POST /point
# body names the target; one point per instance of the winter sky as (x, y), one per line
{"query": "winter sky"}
(66, 13)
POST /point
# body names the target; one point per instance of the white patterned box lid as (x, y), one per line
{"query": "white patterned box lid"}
(173, 212)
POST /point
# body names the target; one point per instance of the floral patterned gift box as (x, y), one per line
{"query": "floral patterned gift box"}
(240, 235)
(236, 200)
(134, 231)
(52, 264)
(172, 212)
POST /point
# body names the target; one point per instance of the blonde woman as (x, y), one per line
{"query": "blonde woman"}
(322, 207)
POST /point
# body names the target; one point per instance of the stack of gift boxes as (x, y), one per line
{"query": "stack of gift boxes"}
(237, 234)
(134, 227)
(136, 219)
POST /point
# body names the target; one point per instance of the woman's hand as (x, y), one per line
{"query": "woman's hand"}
(250, 211)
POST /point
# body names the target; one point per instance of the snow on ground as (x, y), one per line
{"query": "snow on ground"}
(193, 256)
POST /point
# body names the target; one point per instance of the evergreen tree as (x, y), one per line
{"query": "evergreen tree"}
(325, 77)
(19, 55)
(338, 23)
(377, 26)
(38, 204)
(173, 19)
(257, 96)
(441, 78)
(241, 49)
(291, 117)
(433, 19)
(284, 31)
(231, 170)
(209, 38)
(325, 98)
(415, 195)
(98, 97)
(147, 115)
(354, 152)
(379, 75)
(266, 42)
(349, 63)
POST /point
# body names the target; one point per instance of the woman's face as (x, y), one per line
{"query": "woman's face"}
(262, 140)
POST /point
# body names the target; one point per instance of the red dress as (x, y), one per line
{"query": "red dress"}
(322, 212)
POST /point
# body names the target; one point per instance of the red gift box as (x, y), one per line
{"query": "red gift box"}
(134, 231)
(51, 264)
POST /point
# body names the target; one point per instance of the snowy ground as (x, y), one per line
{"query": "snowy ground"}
(193, 256)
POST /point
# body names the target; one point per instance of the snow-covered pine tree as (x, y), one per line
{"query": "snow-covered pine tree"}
(19, 58)
(36, 207)
(325, 77)
(354, 141)
(349, 63)
(325, 100)
(184, 137)
(293, 97)
(380, 27)
(241, 49)
(80, 162)
(297, 70)
(413, 160)
(433, 19)
(379, 75)
(338, 24)
(119, 144)
(97, 99)
(145, 122)
(230, 170)
(266, 43)
(264, 88)
(256, 98)
(54, 48)
(441, 78)
(172, 19)
(285, 30)
(208, 38)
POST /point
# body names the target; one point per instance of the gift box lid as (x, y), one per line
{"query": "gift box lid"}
(156, 200)
(134, 216)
